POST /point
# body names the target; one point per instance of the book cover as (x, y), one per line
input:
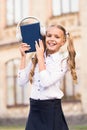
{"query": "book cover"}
(31, 33)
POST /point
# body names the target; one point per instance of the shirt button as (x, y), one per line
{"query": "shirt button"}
(38, 80)
(38, 89)
(48, 55)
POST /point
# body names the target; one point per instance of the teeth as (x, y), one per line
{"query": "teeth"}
(52, 42)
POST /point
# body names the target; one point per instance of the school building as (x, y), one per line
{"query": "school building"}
(72, 14)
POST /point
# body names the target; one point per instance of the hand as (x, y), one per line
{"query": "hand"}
(24, 47)
(39, 49)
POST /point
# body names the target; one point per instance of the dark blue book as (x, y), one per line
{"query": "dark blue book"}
(31, 33)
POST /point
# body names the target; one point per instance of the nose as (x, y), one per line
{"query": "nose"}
(52, 38)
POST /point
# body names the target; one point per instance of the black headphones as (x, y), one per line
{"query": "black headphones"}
(18, 33)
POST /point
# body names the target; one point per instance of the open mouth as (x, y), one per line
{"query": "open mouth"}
(51, 44)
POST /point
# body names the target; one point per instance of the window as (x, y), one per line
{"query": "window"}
(16, 95)
(16, 9)
(60, 7)
(71, 90)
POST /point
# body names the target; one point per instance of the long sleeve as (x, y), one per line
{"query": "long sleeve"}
(49, 78)
(46, 83)
(23, 75)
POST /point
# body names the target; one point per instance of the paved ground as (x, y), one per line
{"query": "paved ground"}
(77, 120)
(71, 120)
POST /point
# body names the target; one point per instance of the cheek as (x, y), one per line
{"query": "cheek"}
(46, 42)
(59, 43)
(62, 42)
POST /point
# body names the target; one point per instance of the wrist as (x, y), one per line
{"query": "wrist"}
(23, 57)
(40, 58)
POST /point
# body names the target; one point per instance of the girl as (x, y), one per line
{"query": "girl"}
(45, 72)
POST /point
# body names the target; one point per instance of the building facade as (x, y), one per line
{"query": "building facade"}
(14, 100)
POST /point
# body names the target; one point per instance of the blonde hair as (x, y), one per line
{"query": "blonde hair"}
(34, 62)
(71, 58)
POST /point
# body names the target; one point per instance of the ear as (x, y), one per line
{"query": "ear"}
(63, 41)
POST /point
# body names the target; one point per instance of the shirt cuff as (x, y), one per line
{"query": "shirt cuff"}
(43, 73)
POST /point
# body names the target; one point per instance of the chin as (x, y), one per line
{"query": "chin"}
(50, 51)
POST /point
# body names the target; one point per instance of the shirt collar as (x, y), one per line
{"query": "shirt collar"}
(58, 55)
(54, 56)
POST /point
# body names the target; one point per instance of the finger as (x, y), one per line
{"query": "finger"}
(36, 45)
(25, 45)
(41, 43)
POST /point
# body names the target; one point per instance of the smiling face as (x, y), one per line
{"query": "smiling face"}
(54, 39)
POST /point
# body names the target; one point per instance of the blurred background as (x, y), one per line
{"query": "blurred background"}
(14, 100)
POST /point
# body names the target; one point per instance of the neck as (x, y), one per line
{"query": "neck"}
(50, 52)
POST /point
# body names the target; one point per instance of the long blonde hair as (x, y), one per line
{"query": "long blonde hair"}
(71, 58)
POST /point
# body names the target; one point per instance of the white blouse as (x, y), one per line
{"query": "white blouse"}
(46, 84)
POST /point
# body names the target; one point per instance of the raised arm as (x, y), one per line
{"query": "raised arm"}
(23, 72)
(23, 47)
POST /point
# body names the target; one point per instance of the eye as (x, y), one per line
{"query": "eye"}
(48, 35)
(57, 36)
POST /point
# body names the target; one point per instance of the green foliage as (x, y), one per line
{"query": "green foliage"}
(11, 127)
(22, 127)
(83, 127)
